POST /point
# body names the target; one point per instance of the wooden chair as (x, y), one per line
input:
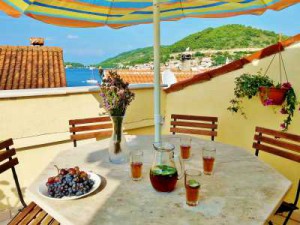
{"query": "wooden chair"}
(90, 128)
(283, 145)
(188, 124)
(29, 214)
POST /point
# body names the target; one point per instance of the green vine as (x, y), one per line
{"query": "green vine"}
(289, 108)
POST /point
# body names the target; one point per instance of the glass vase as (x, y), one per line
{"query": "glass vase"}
(118, 152)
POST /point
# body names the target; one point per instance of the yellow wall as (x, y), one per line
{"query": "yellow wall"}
(212, 99)
(45, 119)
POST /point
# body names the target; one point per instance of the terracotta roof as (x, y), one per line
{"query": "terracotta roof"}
(235, 65)
(31, 67)
(146, 76)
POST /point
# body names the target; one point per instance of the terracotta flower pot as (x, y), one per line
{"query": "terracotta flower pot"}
(272, 95)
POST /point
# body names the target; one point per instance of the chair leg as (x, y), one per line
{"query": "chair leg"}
(288, 217)
(18, 187)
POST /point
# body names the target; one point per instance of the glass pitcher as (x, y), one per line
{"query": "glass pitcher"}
(163, 173)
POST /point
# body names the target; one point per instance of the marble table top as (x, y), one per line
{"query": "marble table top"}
(242, 190)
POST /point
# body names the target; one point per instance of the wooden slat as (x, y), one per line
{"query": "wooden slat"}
(55, 223)
(191, 124)
(292, 137)
(6, 154)
(193, 131)
(9, 164)
(31, 215)
(6, 143)
(191, 117)
(91, 127)
(22, 214)
(77, 137)
(42, 214)
(277, 151)
(89, 120)
(279, 143)
(48, 220)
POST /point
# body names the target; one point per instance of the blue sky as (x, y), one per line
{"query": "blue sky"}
(93, 45)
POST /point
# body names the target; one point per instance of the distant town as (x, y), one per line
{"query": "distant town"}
(189, 60)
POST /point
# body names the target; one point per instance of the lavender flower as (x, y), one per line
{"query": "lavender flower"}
(115, 94)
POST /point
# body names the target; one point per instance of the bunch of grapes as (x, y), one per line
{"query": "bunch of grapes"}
(69, 182)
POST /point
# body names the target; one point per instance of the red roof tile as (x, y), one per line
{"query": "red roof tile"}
(146, 76)
(31, 67)
(235, 65)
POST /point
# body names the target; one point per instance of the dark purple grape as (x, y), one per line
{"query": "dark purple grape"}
(78, 193)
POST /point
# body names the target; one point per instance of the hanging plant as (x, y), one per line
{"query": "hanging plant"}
(249, 85)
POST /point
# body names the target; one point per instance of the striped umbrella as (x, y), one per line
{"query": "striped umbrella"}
(122, 13)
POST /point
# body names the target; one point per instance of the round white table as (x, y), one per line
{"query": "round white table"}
(242, 190)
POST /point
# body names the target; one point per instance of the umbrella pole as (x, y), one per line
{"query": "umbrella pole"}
(156, 49)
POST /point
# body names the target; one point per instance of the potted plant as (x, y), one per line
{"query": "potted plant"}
(272, 95)
(249, 85)
(116, 98)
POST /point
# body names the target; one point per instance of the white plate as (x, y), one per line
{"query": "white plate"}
(43, 190)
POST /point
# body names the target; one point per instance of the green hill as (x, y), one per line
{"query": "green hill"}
(74, 64)
(224, 37)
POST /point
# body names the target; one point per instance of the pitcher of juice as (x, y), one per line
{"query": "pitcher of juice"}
(164, 173)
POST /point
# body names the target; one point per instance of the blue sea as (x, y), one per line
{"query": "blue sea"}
(79, 77)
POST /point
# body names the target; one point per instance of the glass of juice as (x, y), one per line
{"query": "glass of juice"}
(136, 164)
(208, 156)
(185, 147)
(192, 186)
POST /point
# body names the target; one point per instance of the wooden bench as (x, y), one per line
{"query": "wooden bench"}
(191, 124)
(29, 214)
(284, 145)
(88, 128)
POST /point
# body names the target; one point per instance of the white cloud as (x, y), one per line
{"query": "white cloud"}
(71, 36)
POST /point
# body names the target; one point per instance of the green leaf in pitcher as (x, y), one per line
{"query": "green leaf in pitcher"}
(156, 170)
(163, 170)
(193, 183)
(171, 170)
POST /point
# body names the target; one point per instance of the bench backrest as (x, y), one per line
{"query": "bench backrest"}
(82, 129)
(9, 161)
(278, 143)
(191, 124)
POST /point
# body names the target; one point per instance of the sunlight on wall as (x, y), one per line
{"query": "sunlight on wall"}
(212, 99)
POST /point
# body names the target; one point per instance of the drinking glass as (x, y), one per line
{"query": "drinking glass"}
(208, 156)
(192, 186)
(185, 147)
(136, 164)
